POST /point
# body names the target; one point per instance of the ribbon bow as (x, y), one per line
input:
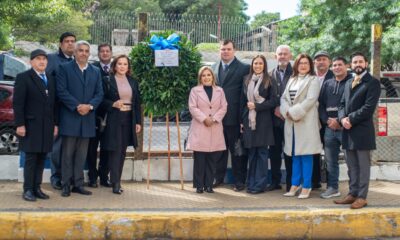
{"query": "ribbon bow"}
(159, 43)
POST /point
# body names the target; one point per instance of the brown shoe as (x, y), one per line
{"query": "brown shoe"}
(359, 203)
(347, 200)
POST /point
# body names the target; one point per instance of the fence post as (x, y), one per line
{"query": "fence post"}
(376, 42)
(143, 32)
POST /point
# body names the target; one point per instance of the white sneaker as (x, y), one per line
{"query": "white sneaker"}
(330, 193)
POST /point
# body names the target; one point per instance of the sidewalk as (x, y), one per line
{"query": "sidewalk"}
(165, 211)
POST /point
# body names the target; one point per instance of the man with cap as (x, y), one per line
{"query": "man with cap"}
(35, 118)
(104, 64)
(64, 55)
(321, 62)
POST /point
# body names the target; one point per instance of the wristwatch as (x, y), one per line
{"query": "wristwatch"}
(91, 107)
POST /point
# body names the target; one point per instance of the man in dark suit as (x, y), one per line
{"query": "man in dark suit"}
(105, 55)
(322, 62)
(63, 55)
(79, 88)
(356, 110)
(280, 75)
(35, 118)
(230, 73)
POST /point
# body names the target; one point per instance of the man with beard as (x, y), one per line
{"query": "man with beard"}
(356, 112)
(229, 74)
(280, 75)
(329, 100)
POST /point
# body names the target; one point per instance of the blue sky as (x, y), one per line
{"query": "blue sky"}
(287, 8)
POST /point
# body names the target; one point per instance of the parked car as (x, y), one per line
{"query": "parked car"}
(10, 66)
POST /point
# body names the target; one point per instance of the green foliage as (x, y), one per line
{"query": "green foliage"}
(165, 89)
(209, 47)
(131, 6)
(5, 39)
(264, 18)
(342, 27)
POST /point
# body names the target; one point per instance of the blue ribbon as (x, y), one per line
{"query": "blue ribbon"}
(159, 43)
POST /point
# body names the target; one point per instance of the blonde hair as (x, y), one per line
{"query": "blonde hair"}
(201, 70)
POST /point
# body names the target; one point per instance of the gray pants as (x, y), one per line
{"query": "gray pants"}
(359, 168)
(73, 158)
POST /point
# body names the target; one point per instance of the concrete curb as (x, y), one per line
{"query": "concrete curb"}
(273, 224)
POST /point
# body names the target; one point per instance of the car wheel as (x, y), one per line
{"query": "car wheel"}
(8, 141)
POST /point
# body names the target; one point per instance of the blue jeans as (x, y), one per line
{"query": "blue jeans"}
(333, 141)
(257, 175)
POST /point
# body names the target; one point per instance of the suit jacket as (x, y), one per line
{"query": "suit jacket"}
(34, 108)
(304, 110)
(103, 74)
(281, 85)
(202, 138)
(263, 136)
(359, 105)
(73, 88)
(54, 62)
(113, 114)
(232, 86)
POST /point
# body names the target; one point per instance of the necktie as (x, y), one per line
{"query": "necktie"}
(105, 68)
(226, 66)
(356, 81)
(43, 77)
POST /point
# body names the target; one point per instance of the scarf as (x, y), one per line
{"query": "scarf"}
(253, 96)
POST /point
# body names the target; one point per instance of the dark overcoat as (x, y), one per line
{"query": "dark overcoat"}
(75, 87)
(263, 135)
(359, 105)
(34, 108)
(232, 86)
(111, 95)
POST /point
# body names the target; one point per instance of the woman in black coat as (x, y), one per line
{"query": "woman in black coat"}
(122, 106)
(258, 101)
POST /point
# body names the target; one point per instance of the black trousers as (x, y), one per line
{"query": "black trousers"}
(33, 170)
(204, 168)
(74, 151)
(91, 158)
(316, 174)
(239, 164)
(116, 158)
(55, 157)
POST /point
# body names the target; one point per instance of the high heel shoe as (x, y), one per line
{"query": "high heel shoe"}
(293, 191)
(305, 193)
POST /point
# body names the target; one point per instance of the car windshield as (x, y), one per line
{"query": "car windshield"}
(11, 66)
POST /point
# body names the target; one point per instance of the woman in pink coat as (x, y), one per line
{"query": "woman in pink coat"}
(208, 105)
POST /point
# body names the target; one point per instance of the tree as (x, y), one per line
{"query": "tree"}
(342, 27)
(264, 18)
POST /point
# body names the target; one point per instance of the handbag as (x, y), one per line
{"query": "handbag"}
(240, 150)
(102, 123)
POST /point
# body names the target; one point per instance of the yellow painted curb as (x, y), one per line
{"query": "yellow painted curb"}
(273, 224)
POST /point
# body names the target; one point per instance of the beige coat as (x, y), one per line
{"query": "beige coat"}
(304, 111)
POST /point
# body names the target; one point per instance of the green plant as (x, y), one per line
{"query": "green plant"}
(165, 89)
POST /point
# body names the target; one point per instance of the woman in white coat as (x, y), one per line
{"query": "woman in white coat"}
(299, 107)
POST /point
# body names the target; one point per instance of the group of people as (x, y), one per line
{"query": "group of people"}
(292, 113)
(64, 107)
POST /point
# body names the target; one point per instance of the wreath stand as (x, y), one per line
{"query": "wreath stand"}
(168, 151)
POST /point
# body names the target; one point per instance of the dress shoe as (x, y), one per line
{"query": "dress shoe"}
(316, 186)
(116, 188)
(273, 187)
(349, 199)
(40, 194)
(256, 191)
(359, 203)
(238, 188)
(29, 196)
(92, 184)
(81, 190)
(56, 185)
(293, 191)
(218, 183)
(209, 190)
(305, 193)
(66, 191)
(105, 184)
(199, 190)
